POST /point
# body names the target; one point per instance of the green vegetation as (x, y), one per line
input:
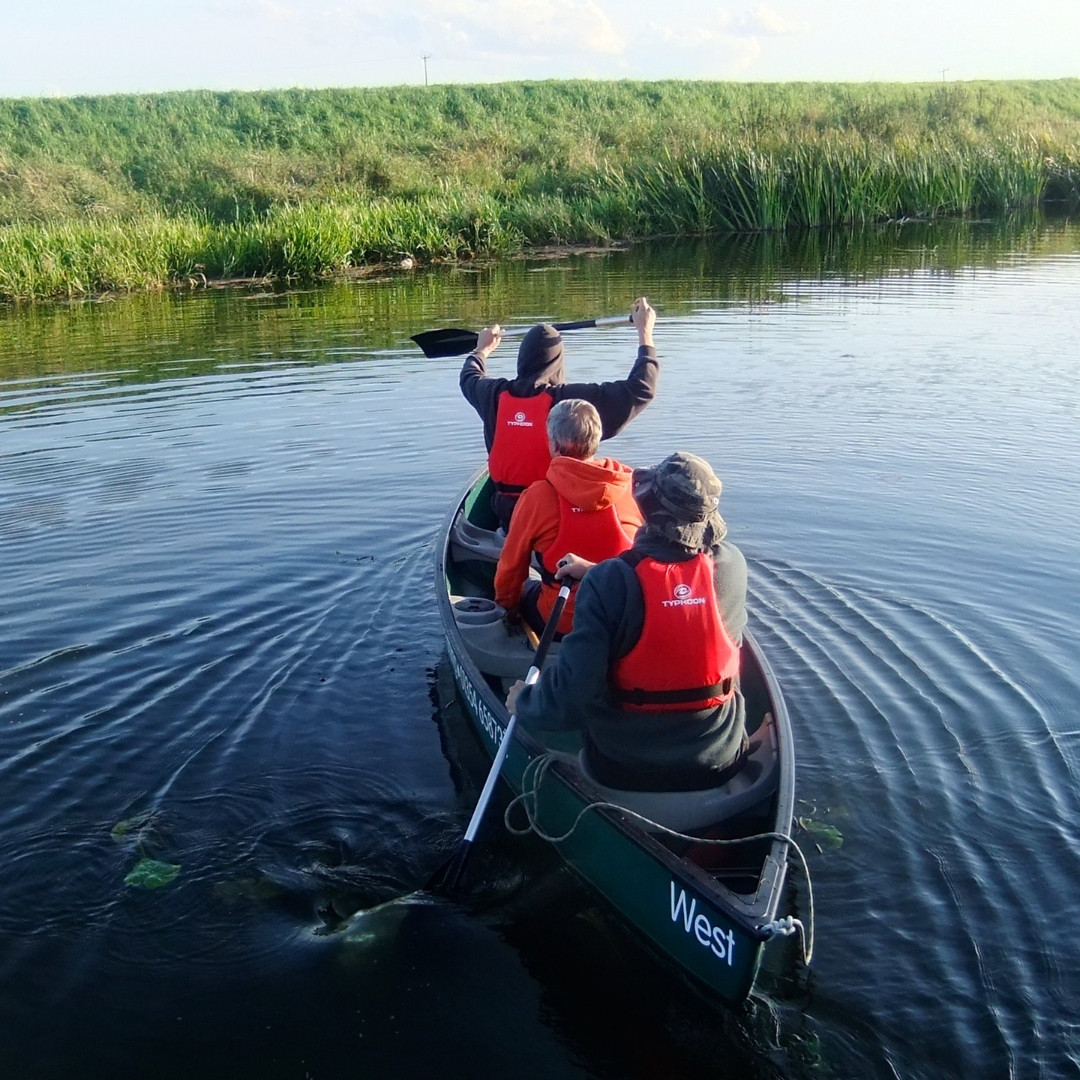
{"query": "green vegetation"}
(134, 192)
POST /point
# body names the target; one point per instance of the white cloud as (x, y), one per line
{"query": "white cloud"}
(765, 22)
(483, 27)
(134, 45)
(535, 26)
(717, 44)
(499, 39)
(690, 33)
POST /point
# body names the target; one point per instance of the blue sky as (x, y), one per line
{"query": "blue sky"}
(57, 47)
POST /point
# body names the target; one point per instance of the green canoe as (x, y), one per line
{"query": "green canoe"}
(706, 908)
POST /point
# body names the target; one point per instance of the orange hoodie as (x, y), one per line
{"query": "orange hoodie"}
(591, 485)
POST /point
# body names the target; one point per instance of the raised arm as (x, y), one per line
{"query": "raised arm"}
(480, 391)
(474, 369)
(618, 402)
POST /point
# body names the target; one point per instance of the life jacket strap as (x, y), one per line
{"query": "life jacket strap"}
(723, 689)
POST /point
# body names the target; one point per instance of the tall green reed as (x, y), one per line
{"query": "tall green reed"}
(137, 191)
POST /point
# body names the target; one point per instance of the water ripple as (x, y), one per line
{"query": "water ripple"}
(268, 844)
(938, 766)
(216, 530)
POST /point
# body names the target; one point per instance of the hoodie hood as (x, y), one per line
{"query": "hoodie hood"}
(592, 485)
(540, 358)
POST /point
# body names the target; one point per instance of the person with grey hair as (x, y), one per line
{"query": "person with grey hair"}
(650, 671)
(584, 504)
(514, 411)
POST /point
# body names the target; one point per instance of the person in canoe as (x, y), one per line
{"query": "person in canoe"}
(584, 504)
(514, 411)
(650, 670)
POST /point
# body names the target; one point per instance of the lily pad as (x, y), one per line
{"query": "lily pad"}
(151, 874)
(825, 835)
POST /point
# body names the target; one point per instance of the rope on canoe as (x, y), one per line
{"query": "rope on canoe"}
(533, 777)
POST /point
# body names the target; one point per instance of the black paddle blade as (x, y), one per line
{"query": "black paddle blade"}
(438, 343)
(446, 881)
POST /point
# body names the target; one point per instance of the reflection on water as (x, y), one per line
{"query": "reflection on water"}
(217, 522)
(164, 336)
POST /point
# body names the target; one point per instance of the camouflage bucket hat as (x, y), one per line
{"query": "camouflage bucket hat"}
(684, 494)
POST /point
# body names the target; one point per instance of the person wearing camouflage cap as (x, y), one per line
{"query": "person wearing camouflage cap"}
(650, 670)
(514, 428)
(681, 498)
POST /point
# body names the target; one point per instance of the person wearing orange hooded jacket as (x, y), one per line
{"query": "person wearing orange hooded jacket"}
(583, 505)
(514, 411)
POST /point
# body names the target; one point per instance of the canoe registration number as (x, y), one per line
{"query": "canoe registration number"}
(493, 730)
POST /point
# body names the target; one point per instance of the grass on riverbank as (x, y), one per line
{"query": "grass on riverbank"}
(133, 192)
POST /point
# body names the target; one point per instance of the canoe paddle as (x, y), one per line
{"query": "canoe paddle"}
(457, 342)
(447, 879)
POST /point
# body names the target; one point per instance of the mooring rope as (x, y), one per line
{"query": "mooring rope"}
(537, 770)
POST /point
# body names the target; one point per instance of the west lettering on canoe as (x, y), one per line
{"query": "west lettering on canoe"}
(716, 939)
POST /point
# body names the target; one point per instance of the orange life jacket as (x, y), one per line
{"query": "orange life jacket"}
(685, 658)
(519, 451)
(593, 534)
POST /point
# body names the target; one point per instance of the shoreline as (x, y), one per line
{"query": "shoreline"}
(283, 283)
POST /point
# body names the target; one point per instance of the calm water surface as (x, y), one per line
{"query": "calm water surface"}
(220, 651)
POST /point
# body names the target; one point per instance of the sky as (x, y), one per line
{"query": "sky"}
(64, 48)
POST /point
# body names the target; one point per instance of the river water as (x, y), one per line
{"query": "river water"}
(220, 652)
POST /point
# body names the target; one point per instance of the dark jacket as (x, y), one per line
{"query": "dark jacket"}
(617, 402)
(635, 749)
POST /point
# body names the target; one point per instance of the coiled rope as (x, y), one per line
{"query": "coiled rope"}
(537, 770)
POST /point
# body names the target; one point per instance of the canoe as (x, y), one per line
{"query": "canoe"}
(698, 876)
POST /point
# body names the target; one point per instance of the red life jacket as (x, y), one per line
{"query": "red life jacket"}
(593, 534)
(685, 658)
(519, 451)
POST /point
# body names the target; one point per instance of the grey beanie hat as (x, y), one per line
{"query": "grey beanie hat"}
(681, 498)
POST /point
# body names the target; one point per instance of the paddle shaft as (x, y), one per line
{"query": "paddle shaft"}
(581, 324)
(504, 745)
(448, 877)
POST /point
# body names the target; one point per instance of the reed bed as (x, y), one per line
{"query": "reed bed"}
(137, 192)
(737, 187)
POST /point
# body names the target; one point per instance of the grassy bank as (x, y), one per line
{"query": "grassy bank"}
(131, 191)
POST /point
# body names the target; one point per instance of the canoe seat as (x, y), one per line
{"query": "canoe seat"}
(686, 811)
(493, 648)
(469, 541)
